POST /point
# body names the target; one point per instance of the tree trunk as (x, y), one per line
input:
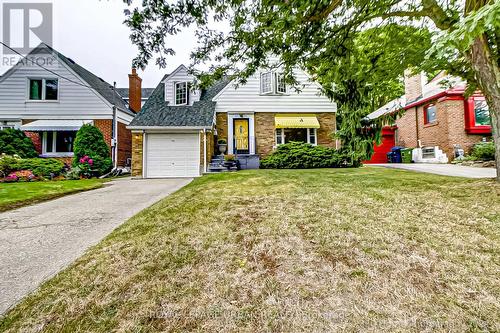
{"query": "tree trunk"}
(488, 77)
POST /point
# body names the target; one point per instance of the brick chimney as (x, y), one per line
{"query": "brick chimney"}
(134, 91)
(413, 85)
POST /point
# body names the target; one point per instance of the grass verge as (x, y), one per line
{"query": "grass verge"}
(15, 195)
(367, 249)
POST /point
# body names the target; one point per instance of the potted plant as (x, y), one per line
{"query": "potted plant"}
(222, 143)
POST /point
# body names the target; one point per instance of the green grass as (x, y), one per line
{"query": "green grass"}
(364, 250)
(15, 195)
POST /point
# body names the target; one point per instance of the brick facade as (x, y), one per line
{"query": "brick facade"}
(449, 128)
(137, 142)
(221, 121)
(265, 130)
(36, 138)
(210, 148)
(124, 144)
(264, 133)
(106, 128)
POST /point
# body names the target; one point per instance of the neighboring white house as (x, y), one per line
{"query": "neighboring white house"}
(50, 97)
(175, 133)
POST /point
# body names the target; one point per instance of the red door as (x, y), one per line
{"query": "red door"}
(380, 151)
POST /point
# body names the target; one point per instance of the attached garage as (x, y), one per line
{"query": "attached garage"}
(172, 155)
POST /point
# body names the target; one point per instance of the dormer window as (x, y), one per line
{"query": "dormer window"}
(181, 93)
(272, 83)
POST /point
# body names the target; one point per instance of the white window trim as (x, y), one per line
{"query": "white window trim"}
(262, 85)
(315, 136)
(54, 145)
(43, 100)
(175, 93)
(282, 136)
(277, 80)
(314, 130)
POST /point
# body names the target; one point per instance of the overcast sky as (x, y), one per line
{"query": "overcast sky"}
(92, 33)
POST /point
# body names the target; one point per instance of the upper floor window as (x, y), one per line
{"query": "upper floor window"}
(280, 83)
(481, 113)
(181, 93)
(43, 89)
(430, 113)
(266, 83)
(272, 83)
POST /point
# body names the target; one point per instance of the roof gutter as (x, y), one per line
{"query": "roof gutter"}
(433, 97)
(166, 128)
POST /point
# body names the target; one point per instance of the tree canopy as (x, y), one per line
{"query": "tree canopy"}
(324, 34)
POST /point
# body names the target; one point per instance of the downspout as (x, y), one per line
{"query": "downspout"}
(205, 150)
(114, 141)
(416, 124)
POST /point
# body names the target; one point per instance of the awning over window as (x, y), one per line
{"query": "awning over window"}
(296, 121)
(54, 125)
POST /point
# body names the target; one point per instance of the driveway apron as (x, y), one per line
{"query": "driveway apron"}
(38, 241)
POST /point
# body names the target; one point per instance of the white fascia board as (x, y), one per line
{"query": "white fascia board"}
(169, 128)
(175, 72)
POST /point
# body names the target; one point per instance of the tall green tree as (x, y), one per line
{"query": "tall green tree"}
(467, 35)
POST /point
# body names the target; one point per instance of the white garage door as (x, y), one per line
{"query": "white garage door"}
(172, 155)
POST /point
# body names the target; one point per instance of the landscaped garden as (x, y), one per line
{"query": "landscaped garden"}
(26, 178)
(366, 249)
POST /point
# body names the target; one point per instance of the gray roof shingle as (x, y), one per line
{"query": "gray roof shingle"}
(102, 87)
(157, 112)
(146, 92)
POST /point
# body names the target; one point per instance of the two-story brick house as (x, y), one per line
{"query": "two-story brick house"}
(438, 117)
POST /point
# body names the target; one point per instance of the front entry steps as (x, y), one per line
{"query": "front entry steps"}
(218, 164)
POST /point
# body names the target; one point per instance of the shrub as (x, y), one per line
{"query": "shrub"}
(221, 141)
(14, 141)
(299, 155)
(8, 164)
(90, 142)
(41, 167)
(45, 167)
(484, 151)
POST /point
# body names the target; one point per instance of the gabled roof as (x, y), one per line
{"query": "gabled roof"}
(99, 85)
(145, 92)
(157, 111)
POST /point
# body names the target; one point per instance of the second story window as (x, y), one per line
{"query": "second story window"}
(430, 113)
(43, 89)
(266, 83)
(181, 93)
(272, 83)
(280, 83)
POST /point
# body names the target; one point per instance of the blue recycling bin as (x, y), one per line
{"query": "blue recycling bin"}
(396, 155)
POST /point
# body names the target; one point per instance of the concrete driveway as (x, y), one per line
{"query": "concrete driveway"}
(38, 241)
(444, 169)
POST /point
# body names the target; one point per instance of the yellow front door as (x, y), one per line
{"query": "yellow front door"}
(241, 133)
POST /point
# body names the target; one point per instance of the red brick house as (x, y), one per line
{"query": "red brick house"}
(438, 117)
(49, 96)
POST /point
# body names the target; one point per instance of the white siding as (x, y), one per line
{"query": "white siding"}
(248, 98)
(179, 75)
(75, 101)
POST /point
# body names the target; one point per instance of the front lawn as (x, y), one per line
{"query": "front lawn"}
(14, 195)
(364, 250)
